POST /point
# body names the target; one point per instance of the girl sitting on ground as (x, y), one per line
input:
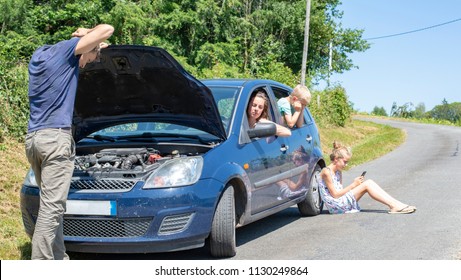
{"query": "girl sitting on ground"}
(339, 199)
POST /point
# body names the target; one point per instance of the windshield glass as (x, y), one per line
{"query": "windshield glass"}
(226, 98)
(151, 130)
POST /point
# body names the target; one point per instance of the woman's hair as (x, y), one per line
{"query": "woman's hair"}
(261, 94)
(339, 151)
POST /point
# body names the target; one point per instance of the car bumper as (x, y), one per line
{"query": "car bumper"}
(155, 220)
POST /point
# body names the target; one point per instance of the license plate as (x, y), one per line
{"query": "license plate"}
(91, 207)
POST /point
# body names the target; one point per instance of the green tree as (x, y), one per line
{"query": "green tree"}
(210, 38)
(420, 111)
(379, 111)
(251, 34)
(12, 14)
(445, 111)
(403, 111)
(326, 28)
(133, 22)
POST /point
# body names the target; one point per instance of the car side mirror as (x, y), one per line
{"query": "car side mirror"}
(262, 130)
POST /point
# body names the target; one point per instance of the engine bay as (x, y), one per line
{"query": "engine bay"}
(136, 159)
(132, 159)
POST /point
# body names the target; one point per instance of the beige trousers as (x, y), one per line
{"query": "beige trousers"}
(51, 154)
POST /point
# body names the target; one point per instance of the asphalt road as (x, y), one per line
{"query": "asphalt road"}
(424, 171)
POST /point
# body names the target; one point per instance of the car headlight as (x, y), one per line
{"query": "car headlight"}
(30, 179)
(176, 173)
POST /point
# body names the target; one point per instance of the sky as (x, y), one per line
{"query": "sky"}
(419, 67)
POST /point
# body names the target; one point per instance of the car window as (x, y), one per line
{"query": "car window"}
(244, 138)
(281, 93)
(271, 108)
(307, 116)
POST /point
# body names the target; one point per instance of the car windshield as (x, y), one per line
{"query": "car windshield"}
(226, 98)
(152, 131)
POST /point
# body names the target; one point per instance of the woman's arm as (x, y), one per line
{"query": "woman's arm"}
(281, 130)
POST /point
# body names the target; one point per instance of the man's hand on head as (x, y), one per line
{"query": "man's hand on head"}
(103, 45)
(80, 32)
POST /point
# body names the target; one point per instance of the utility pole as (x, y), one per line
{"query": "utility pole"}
(330, 61)
(306, 42)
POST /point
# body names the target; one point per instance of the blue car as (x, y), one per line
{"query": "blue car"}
(166, 162)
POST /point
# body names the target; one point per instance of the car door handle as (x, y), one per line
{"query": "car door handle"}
(309, 138)
(284, 148)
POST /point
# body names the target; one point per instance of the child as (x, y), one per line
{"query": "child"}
(292, 107)
(344, 199)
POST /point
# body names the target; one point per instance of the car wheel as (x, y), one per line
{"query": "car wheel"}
(312, 205)
(222, 237)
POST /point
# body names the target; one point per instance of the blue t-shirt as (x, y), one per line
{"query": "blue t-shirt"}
(53, 76)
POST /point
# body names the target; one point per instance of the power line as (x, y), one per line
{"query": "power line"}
(413, 31)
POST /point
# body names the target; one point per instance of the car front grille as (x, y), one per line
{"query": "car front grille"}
(175, 223)
(106, 227)
(102, 185)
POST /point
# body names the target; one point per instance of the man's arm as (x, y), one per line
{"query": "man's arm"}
(91, 38)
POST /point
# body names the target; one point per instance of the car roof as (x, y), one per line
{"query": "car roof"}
(239, 82)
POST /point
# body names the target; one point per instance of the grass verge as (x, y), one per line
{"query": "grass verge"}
(367, 140)
(13, 168)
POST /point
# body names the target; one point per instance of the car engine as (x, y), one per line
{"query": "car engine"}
(136, 159)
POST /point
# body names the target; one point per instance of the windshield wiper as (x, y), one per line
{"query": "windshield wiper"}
(99, 137)
(170, 135)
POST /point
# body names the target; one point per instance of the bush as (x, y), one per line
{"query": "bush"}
(331, 107)
(14, 103)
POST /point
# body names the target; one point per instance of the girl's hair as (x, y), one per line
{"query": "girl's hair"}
(339, 151)
(261, 94)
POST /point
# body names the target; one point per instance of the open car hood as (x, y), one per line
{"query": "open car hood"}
(140, 83)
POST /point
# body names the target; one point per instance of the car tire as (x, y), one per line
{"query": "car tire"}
(312, 205)
(222, 237)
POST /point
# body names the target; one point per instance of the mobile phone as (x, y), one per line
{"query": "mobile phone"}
(363, 173)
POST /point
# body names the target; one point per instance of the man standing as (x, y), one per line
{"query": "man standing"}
(50, 148)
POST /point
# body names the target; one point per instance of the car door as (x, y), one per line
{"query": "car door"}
(269, 158)
(300, 161)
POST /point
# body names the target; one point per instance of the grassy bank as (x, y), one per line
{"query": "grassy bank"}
(363, 137)
(367, 140)
(13, 168)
